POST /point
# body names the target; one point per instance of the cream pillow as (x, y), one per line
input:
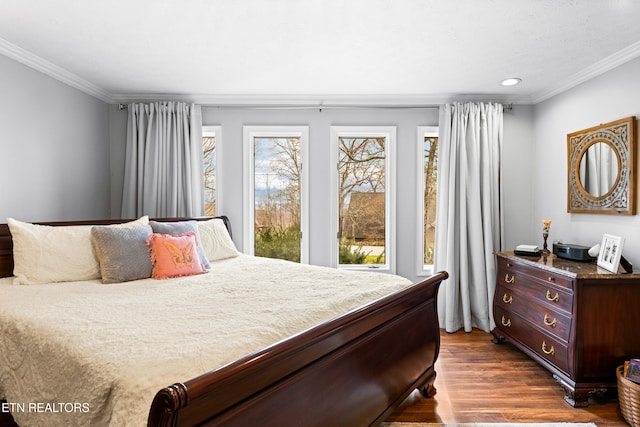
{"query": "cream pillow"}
(215, 239)
(46, 254)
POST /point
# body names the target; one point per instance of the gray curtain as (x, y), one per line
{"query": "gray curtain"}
(163, 161)
(468, 213)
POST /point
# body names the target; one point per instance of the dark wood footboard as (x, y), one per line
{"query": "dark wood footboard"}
(352, 371)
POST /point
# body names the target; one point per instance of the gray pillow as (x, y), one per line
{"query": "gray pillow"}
(178, 228)
(122, 252)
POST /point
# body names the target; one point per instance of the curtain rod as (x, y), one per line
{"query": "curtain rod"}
(505, 107)
(306, 107)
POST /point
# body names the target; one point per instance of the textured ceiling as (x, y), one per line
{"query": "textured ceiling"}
(395, 50)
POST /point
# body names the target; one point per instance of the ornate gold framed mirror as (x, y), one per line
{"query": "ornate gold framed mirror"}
(601, 174)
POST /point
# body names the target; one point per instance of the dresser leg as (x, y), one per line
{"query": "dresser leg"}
(579, 397)
(497, 338)
(428, 390)
(576, 400)
(572, 396)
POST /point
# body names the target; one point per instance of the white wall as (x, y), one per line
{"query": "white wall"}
(517, 178)
(117, 146)
(611, 96)
(54, 148)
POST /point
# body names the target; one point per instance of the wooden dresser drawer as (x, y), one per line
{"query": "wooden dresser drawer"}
(547, 318)
(555, 298)
(549, 348)
(508, 269)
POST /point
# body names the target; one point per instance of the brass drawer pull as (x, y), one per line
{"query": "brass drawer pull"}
(507, 300)
(506, 322)
(551, 279)
(509, 280)
(550, 298)
(548, 322)
(551, 351)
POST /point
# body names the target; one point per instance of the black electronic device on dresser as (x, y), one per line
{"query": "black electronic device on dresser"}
(572, 251)
(578, 321)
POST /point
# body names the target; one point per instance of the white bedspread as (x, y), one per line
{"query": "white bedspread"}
(114, 346)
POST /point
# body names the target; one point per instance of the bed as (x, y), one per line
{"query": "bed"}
(339, 366)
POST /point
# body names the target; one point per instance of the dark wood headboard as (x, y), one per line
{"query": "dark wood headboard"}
(6, 244)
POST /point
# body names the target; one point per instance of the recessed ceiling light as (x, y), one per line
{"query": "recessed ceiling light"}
(510, 82)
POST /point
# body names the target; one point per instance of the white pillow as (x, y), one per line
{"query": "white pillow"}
(46, 254)
(215, 239)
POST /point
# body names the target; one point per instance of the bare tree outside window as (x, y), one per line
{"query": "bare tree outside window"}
(430, 175)
(361, 204)
(277, 197)
(209, 159)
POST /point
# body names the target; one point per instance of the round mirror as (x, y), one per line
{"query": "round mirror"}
(598, 169)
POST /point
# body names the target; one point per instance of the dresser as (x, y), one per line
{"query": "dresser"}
(575, 319)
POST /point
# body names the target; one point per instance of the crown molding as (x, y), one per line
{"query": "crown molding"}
(609, 63)
(52, 70)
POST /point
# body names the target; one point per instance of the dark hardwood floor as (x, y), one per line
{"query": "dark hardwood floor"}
(479, 381)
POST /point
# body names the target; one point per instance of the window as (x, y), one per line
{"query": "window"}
(428, 167)
(364, 203)
(275, 192)
(210, 140)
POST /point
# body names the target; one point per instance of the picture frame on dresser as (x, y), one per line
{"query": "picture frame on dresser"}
(610, 252)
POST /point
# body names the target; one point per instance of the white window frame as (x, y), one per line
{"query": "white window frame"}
(249, 133)
(388, 132)
(215, 132)
(423, 132)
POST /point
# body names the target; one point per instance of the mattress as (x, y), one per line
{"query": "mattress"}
(86, 353)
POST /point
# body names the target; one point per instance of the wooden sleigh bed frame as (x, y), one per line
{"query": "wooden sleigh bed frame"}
(352, 371)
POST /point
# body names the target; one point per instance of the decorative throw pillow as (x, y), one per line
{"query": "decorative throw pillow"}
(179, 228)
(215, 239)
(122, 252)
(46, 254)
(173, 256)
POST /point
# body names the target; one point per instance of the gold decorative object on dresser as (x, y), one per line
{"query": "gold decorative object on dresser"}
(575, 319)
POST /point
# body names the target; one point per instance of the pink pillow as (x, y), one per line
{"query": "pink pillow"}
(173, 256)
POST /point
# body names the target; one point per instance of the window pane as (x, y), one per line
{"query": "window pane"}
(277, 197)
(430, 177)
(361, 208)
(209, 156)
